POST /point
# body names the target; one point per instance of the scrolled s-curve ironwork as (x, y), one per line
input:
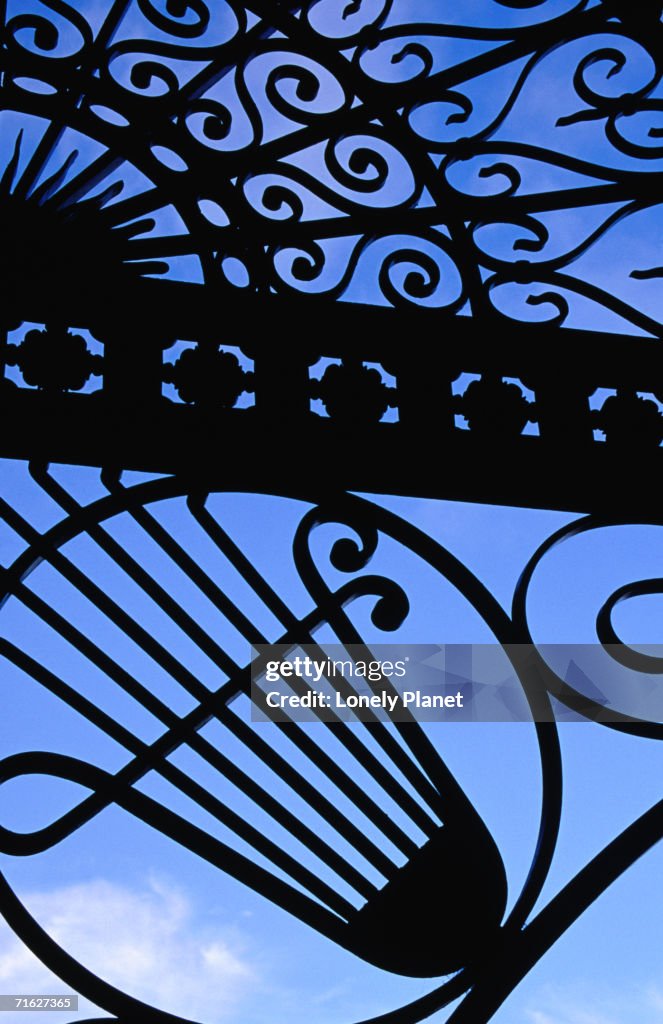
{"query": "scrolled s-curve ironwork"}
(484, 954)
(315, 161)
(319, 145)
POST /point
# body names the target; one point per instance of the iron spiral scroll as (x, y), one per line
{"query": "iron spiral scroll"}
(340, 150)
(445, 259)
(482, 954)
(367, 175)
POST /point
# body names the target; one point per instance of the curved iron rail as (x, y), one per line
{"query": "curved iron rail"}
(328, 158)
(484, 962)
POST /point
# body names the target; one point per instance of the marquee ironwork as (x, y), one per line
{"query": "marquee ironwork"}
(370, 171)
(245, 238)
(461, 936)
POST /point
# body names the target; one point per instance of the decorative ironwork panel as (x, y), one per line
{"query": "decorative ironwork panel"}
(361, 875)
(244, 238)
(167, 164)
(380, 151)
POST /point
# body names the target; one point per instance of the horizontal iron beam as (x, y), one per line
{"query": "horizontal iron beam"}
(281, 445)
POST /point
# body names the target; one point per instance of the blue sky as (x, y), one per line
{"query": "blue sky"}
(106, 891)
(168, 928)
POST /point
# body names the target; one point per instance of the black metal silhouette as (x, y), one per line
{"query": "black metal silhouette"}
(238, 230)
(193, 158)
(485, 955)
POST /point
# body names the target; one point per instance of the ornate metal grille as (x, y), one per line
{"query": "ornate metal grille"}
(472, 170)
(446, 934)
(340, 230)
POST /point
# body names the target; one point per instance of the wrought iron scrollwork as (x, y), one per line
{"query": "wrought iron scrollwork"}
(222, 166)
(186, 154)
(342, 149)
(484, 953)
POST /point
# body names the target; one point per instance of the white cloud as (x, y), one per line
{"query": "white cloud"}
(639, 1006)
(570, 1015)
(146, 942)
